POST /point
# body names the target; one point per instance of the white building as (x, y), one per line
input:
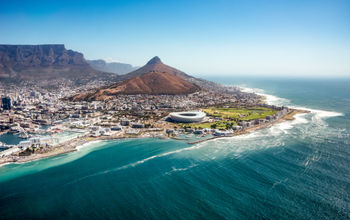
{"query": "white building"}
(187, 117)
(223, 133)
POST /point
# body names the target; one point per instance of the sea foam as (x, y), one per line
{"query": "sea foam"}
(234, 146)
(89, 144)
(275, 100)
(303, 126)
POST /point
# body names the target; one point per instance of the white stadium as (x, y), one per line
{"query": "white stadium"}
(187, 117)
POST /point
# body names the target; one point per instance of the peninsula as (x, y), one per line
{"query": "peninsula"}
(138, 104)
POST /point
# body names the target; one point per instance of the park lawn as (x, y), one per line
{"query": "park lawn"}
(244, 114)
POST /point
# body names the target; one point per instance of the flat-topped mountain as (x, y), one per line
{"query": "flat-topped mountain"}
(111, 67)
(154, 78)
(45, 62)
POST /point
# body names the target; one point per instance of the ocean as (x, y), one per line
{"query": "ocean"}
(294, 170)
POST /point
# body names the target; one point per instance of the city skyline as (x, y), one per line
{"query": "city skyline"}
(295, 38)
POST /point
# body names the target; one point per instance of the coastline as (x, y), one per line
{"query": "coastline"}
(74, 144)
(3, 132)
(288, 117)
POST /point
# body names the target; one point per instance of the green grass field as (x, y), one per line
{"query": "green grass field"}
(230, 116)
(243, 114)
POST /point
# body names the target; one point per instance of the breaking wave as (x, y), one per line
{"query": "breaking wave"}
(270, 99)
(88, 144)
(307, 125)
(275, 100)
(304, 125)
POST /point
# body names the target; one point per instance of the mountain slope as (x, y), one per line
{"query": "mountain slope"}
(155, 65)
(155, 78)
(154, 83)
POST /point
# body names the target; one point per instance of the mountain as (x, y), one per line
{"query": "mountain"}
(46, 62)
(155, 65)
(154, 78)
(111, 67)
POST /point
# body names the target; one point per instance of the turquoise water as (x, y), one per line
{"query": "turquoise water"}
(10, 138)
(294, 170)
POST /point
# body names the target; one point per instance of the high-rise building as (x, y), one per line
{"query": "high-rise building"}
(6, 103)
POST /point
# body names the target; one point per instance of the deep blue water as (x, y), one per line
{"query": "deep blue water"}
(294, 170)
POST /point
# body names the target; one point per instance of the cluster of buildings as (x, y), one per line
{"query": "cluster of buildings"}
(143, 102)
(27, 108)
(34, 143)
(31, 111)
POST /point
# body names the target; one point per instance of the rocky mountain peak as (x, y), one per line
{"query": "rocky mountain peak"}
(155, 60)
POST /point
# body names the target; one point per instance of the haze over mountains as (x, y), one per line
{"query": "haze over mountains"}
(46, 62)
(112, 67)
(154, 78)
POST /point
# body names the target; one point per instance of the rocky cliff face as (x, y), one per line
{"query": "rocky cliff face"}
(20, 56)
(38, 62)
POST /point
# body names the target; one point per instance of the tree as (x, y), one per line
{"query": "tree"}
(228, 125)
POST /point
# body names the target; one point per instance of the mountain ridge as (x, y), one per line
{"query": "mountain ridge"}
(111, 67)
(45, 62)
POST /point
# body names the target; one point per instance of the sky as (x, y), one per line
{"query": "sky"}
(299, 38)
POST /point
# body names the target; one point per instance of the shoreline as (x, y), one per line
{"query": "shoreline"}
(73, 145)
(288, 117)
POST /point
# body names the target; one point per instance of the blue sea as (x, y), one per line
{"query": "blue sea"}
(294, 170)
